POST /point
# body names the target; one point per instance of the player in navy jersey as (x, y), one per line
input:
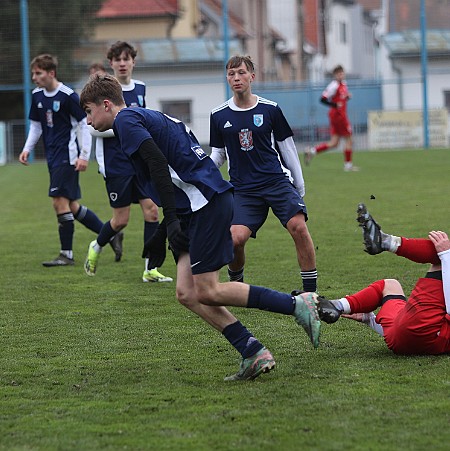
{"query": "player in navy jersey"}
(244, 130)
(56, 114)
(198, 207)
(122, 184)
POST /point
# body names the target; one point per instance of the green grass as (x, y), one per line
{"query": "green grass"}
(109, 362)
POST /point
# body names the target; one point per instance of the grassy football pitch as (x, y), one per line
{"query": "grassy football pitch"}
(108, 362)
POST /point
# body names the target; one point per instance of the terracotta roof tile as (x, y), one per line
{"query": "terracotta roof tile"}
(133, 8)
(235, 22)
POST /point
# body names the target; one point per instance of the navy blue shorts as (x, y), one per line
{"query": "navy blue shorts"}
(210, 243)
(125, 190)
(252, 207)
(64, 182)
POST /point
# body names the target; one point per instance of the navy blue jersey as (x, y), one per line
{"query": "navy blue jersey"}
(58, 112)
(195, 177)
(112, 162)
(248, 136)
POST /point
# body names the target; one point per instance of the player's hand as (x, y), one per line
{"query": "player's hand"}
(440, 240)
(178, 241)
(354, 316)
(81, 165)
(155, 247)
(23, 157)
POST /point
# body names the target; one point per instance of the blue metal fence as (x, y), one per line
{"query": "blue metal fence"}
(309, 118)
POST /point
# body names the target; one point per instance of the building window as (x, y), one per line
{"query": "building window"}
(447, 100)
(342, 32)
(179, 109)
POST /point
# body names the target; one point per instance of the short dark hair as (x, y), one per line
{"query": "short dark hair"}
(237, 60)
(337, 69)
(101, 87)
(45, 62)
(121, 46)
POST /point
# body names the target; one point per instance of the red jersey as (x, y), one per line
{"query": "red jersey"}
(337, 92)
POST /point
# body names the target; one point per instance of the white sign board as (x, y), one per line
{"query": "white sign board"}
(403, 129)
(2, 144)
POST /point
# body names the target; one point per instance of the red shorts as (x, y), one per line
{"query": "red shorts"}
(419, 326)
(340, 126)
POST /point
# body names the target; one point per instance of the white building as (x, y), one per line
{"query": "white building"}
(402, 70)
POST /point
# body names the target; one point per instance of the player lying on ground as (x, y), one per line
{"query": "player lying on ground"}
(417, 325)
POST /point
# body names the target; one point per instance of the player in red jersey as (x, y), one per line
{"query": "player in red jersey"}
(417, 325)
(336, 96)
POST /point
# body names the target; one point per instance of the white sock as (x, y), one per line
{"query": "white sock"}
(68, 254)
(390, 242)
(342, 305)
(146, 268)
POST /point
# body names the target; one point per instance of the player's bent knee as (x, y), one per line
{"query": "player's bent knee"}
(239, 240)
(152, 215)
(185, 298)
(392, 287)
(297, 227)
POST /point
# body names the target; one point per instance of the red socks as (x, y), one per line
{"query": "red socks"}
(419, 250)
(321, 147)
(348, 155)
(368, 299)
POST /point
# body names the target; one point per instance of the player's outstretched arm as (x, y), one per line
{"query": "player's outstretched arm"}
(365, 318)
(440, 240)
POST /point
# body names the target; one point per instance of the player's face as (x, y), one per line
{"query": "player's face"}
(339, 75)
(99, 116)
(123, 67)
(42, 78)
(240, 78)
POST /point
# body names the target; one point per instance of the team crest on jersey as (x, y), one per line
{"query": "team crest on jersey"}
(246, 139)
(199, 152)
(141, 100)
(258, 119)
(113, 196)
(56, 105)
